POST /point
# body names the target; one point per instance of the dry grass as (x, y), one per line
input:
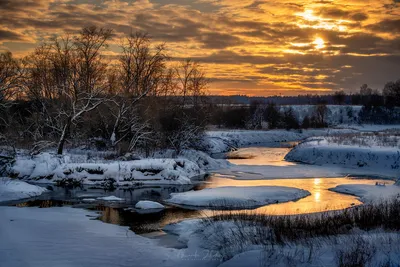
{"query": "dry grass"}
(390, 138)
(292, 228)
(298, 239)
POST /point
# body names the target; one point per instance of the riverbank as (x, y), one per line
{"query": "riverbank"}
(376, 154)
(194, 248)
(105, 169)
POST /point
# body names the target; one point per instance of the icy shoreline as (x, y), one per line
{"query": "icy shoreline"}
(11, 189)
(372, 160)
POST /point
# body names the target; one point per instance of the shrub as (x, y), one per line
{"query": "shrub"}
(358, 252)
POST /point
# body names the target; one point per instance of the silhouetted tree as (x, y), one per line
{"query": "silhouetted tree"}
(339, 97)
(272, 115)
(391, 92)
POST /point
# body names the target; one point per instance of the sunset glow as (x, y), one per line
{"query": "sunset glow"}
(249, 47)
(319, 43)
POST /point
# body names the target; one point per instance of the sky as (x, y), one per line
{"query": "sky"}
(253, 47)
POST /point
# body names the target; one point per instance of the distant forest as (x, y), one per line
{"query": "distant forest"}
(331, 99)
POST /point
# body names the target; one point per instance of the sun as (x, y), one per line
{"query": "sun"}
(319, 43)
(308, 14)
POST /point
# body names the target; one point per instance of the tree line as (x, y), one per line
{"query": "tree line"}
(71, 89)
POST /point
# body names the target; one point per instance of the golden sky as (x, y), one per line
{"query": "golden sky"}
(249, 47)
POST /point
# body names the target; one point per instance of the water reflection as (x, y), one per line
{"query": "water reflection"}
(146, 223)
(317, 189)
(273, 156)
(321, 199)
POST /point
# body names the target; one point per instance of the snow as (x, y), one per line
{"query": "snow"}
(203, 160)
(11, 189)
(335, 115)
(247, 258)
(61, 237)
(369, 193)
(88, 200)
(252, 172)
(237, 197)
(368, 158)
(110, 198)
(224, 141)
(49, 168)
(146, 205)
(217, 237)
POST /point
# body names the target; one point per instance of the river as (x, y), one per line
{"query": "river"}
(321, 199)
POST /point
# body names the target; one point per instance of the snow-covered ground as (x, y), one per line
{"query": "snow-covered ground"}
(360, 154)
(233, 241)
(165, 168)
(50, 168)
(12, 189)
(60, 237)
(223, 141)
(369, 193)
(237, 197)
(202, 159)
(148, 205)
(110, 198)
(253, 172)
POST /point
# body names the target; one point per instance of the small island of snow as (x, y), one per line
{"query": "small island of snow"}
(232, 197)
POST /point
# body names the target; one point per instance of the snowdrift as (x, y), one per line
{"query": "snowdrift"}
(11, 189)
(322, 152)
(48, 168)
(232, 197)
(224, 141)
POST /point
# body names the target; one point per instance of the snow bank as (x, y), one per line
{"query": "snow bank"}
(203, 160)
(369, 193)
(14, 189)
(68, 237)
(48, 168)
(224, 141)
(237, 197)
(379, 160)
(110, 198)
(147, 205)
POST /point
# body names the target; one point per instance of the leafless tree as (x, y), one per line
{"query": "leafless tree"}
(191, 82)
(321, 111)
(184, 120)
(142, 72)
(71, 72)
(9, 76)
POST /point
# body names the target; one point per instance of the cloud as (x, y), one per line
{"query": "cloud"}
(261, 47)
(214, 40)
(386, 25)
(6, 35)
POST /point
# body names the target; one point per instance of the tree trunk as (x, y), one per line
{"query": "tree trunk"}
(114, 136)
(63, 137)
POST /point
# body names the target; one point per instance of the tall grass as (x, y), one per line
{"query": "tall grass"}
(234, 232)
(384, 214)
(388, 138)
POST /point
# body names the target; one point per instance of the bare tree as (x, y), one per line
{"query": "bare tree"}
(9, 76)
(184, 120)
(71, 72)
(142, 73)
(84, 86)
(191, 82)
(321, 111)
